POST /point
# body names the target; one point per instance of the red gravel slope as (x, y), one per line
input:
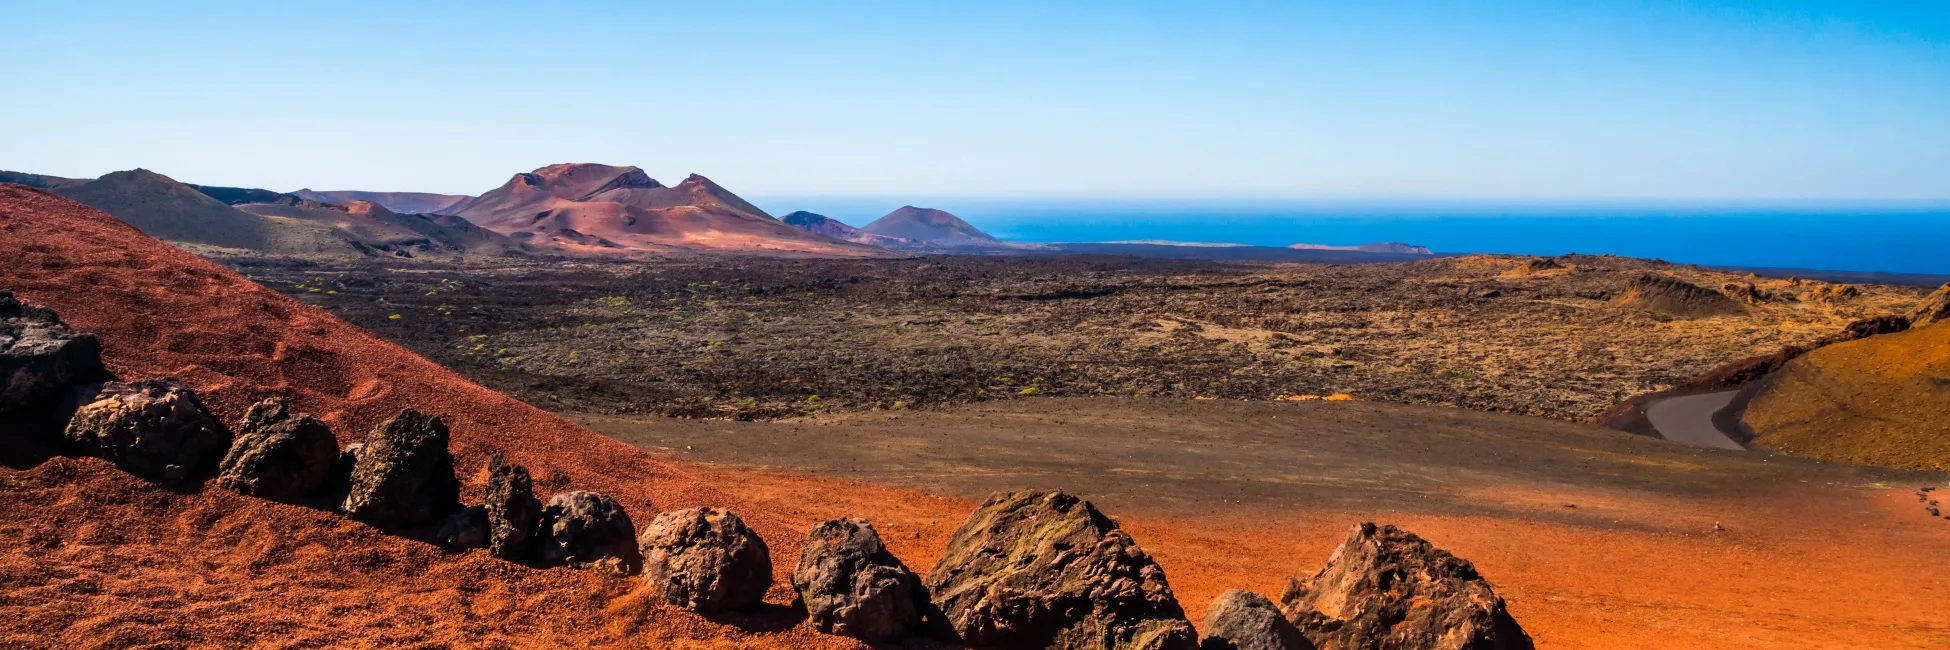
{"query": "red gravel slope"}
(93, 558)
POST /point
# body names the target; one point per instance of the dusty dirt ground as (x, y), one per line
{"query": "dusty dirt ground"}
(1599, 539)
(753, 338)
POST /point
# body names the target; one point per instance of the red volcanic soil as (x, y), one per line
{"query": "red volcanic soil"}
(98, 559)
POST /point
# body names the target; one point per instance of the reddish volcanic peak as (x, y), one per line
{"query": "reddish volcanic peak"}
(928, 225)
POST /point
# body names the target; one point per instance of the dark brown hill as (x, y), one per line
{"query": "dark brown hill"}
(931, 226)
(823, 225)
(401, 202)
(372, 225)
(172, 211)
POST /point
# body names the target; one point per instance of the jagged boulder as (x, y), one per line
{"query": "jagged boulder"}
(513, 513)
(705, 560)
(467, 528)
(42, 362)
(404, 476)
(156, 429)
(1386, 588)
(1934, 307)
(851, 586)
(1045, 569)
(1243, 620)
(587, 530)
(277, 455)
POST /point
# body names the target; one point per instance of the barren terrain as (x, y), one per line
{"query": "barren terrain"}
(752, 338)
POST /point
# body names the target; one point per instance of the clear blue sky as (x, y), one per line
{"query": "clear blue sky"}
(1847, 100)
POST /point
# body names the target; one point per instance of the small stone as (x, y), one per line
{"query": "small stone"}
(705, 560)
(1243, 620)
(404, 476)
(852, 586)
(1045, 569)
(1386, 588)
(512, 511)
(587, 530)
(277, 455)
(465, 529)
(156, 429)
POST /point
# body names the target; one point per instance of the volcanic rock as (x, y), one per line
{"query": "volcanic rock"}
(513, 514)
(279, 456)
(1933, 308)
(1386, 588)
(1045, 569)
(156, 429)
(41, 363)
(1867, 327)
(586, 529)
(1243, 620)
(404, 475)
(1674, 297)
(852, 586)
(705, 560)
(467, 528)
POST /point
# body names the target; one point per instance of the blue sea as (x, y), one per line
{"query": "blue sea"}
(1877, 237)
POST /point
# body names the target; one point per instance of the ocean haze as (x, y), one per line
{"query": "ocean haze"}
(1891, 237)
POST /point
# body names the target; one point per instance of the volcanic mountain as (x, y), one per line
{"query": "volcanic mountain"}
(320, 580)
(930, 226)
(166, 209)
(830, 227)
(402, 202)
(602, 208)
(373, 226)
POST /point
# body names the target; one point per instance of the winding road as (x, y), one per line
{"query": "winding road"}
(1689, 419)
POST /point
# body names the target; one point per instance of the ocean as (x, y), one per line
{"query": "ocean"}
(1890, 238)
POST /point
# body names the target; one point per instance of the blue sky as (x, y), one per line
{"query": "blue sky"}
(1125, 100)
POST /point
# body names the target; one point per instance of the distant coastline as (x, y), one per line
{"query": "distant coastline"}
(1864, 237)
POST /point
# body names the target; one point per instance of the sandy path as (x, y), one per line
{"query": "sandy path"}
(1689, 419)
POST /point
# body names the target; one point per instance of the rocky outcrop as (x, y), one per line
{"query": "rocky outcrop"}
(1243, 620)
(586, 529)
(42, 364)
(1934, 307)
(277, 455)
(156, 429)
(404, 475)
(851, 586)
(1875, 326)
(1672, 296)
(1045, 569)
(1386, 588)
(705, 560)
(513, 514)
(467, 528)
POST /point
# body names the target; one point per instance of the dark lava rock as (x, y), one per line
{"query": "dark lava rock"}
(156, 429)
(1867, 327)
(1934, 307)
(41, 362)
(277, 455)
(404, 475)
(1045, 569)
(1675, 297)
(1386, 588)
(1243, 620)
(852, 586)
(467, 528)
(705, 560)
(513, 514)
(586, 529)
